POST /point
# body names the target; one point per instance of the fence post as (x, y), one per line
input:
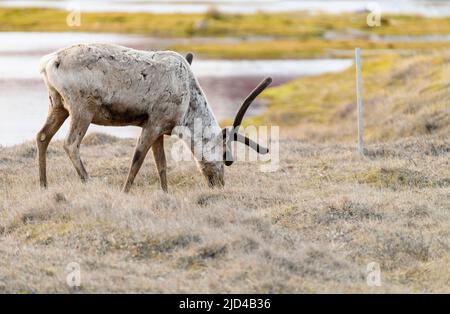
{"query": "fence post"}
(359, 100)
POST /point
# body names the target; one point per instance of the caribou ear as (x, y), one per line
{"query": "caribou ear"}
(189, 57)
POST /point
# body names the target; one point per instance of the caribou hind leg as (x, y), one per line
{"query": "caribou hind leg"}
(79, 125)
(56, 117)
(160, 160)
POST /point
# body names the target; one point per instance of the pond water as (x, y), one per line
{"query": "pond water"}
(23, 96)
(424, 7)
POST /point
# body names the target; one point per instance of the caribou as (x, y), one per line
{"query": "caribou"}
(112, 85)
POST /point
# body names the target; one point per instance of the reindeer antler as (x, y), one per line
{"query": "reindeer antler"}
(248, 101)
(234, 135)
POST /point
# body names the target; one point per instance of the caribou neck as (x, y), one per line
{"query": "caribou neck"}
(199, 118)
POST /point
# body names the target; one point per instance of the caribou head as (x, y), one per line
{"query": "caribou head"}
(217, 151)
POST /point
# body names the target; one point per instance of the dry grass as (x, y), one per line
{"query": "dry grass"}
(215, 23)
(312, 226)
(305, 48)
(256, 36)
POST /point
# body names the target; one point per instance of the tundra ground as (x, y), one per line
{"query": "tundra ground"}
(312, 226)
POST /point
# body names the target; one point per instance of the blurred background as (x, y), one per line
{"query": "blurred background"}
(307, 46)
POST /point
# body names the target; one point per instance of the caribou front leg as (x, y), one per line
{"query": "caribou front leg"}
(146, 140)
(160, 160)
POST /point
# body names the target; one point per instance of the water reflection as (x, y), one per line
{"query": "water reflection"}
(23, 96)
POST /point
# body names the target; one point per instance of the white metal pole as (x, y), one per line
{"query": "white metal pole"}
(359, 100)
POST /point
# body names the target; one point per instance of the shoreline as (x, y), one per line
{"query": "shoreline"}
(430, 8)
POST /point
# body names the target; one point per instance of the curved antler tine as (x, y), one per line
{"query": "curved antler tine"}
(189, 57)
(250, 143)
(228, 158)
(250, 98)
(227, 155)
